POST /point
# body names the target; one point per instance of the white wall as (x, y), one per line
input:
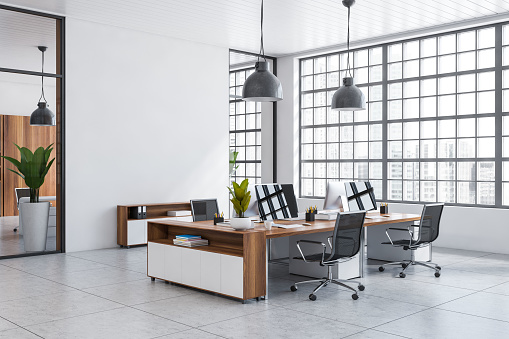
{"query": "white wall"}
(146, 122)
(470, 228)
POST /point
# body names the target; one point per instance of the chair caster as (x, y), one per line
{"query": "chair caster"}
(361, 287)
(293, 288)
(15, 230)
(404, 265)
(438, 268)
(153, 279)
(381, 268)
(437, 274)
(355, 296)
(402, 275)
(166, 282)
(312, 297)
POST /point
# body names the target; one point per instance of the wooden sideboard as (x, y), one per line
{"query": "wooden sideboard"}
(131, 232)
(233, 264)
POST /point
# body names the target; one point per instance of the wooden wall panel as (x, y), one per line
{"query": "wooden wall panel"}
(17, 129)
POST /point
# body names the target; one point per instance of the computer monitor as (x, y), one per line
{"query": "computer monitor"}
(290, 199)
(336, 198)
(272, 202)
(252, 208)
(361, 196)
(204, 209)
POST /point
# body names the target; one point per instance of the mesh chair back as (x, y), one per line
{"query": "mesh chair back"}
(346, 238)
(204, 209)
(430, 223)
(21, 193)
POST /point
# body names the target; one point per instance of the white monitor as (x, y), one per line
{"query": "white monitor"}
(336, 197)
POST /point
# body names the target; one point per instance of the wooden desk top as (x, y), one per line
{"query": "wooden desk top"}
(276, 232)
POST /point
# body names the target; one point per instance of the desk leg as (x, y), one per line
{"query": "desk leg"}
(267, 253)
(361, 255)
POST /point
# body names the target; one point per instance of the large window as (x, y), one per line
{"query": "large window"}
(436, 127)
(245, 129)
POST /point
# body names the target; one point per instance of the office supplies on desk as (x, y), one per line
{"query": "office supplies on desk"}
(384, 208)
(268, 224)
(326, 216)
(288, 226)
(306, 224)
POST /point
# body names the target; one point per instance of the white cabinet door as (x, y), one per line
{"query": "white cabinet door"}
(156, 260)
(173, 263)
(210, 275)
(191, 267)
(232, 276)
(136, 232)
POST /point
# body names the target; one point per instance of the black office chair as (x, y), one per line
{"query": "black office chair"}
(204, 209)
(20, 193)
(344, 245)
(420, 235)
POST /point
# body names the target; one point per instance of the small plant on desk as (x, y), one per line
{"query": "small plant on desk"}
(240, 200)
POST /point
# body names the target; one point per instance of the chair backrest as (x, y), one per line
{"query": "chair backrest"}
(346, 238)
(21, 193)
(430, 223)
(204, 209)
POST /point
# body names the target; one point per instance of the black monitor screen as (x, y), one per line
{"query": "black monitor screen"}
(361, 196)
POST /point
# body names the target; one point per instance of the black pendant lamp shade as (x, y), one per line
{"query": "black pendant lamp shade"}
(262, 85)
(42, 116)
(348, 97)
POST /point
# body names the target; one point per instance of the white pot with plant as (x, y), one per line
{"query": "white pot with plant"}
(33, 167)
(240, 200)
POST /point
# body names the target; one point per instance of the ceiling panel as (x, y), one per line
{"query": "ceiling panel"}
(291, 26)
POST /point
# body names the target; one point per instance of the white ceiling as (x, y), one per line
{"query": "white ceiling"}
(291, 26)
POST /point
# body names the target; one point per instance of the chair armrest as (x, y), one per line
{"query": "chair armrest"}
(311, 242)
(400, 229)
(329, 240)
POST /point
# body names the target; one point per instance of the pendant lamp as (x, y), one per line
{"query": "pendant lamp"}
(262, 85)
(42, 116)
(348, 97)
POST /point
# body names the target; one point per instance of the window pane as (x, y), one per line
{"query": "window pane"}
(395, 151)
(395, 188)
(411, 50)
(447, 85)
(486, 171)
(486, 193)
(447, 128)
(411, 170)
(411, 69)
(466, 127)
(447, 105)
(375, 150)
(361, 132)
(485, 81)
(446, 171)
(486, 102)
(411, 108)
(428, 149)
(411, 149)
(411, 89)
(466, 192)
(429, 191)
(486, 147)
(447, 44)
(466, 83)
(447, 148)
(466, 170)
(446, 191)
(466, 104)
(486, 127)
(395, 170)
(395, 70)
(486, 37)
(428, 107)
(486, 58)
(428, 87)
(395, 109)
(428, 47)
(447, 63)
(395, 131)
(466, 61)
(375, 132)
(466, 41)
(411, 190)
(428, 66)
(428, 129)
(466, 148)
(395, 52)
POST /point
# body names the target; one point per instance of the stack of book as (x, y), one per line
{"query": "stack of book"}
(190, 240)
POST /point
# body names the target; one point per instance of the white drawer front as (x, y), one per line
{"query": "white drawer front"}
(232, 276)
(173, 263)
(210, 275)
(136, 232)
(156, 260)
(191, 267)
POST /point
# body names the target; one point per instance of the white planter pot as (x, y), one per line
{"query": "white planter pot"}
(240, 223)
(34, 217)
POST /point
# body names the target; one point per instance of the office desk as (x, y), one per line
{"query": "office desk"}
(235, 262)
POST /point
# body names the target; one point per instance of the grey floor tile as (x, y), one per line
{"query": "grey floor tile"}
(48, 265)
(96, 277)
(484, 265)
(436, 323)
(281, 323)
(416, 292)
(367, 311)
(374, 334)
(190, 334)
(18, 333)
(488, 305)
(499, 289)
(462, 279)
(123, 323)
(140, 267)
(200, 309)
(39, 309)
(29, 286)
(139, 291)
(6, 325)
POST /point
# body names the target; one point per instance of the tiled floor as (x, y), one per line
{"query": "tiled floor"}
(11, 243)
(106, 294)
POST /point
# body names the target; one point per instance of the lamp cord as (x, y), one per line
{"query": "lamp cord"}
(42, 81)
(262, 49)
(348, 46)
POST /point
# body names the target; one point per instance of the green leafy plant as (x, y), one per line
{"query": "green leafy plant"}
(240, 197)
(233, 160)
(32, 167)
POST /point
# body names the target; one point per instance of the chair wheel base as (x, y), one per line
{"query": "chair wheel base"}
(402, 275)
(439, 268)
(293, 288)
(355, 296)
(404, 265)
(361, 287)
(312, 297)
(381, 268)
(14, 230)
(437, 274)
(153, 279)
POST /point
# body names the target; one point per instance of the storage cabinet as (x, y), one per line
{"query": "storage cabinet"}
(230, 265)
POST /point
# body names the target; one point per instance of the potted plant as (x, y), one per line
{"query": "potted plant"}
(240, 200)
(33, 167)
